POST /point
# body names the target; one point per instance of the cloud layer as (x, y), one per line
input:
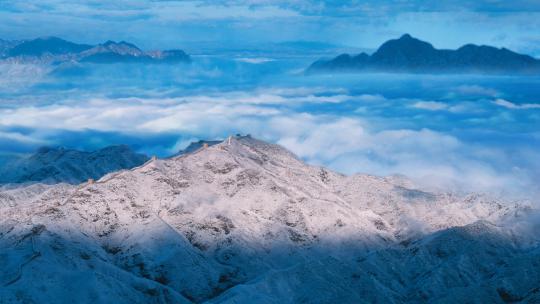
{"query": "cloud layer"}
(439, 139)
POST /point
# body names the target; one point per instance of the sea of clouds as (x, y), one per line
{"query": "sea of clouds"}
(467, 133)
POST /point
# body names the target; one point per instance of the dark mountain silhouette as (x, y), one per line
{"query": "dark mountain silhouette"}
(173, 56)
(411, 55)
(48, 45)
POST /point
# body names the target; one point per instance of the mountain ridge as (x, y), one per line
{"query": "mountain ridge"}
(40, 166)
(410, 55)
(56, 50)
(247, 221)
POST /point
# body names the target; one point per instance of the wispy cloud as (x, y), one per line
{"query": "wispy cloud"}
(259, 60)
(16, 76)
(358, 23)
(510, 105)
(430, 105)
(476, 90)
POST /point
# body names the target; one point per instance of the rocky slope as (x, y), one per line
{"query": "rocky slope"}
(248, 222)
(54, 165)
(411, 55)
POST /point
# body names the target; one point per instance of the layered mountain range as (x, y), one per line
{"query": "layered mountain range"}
(244, 221)
(410, 55)
(61, 165)
(52, 165)
(56, 50)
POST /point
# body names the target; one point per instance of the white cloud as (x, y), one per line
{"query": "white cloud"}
(251, 60)
(192, 10)
(430, 105)
(370, 98)
(14, 76)
(21, 138)
(476, 90)
(510, 105)
(345, 143)
(159, 10)
(432, 159)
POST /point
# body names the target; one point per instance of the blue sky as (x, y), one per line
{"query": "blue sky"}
(245, 23)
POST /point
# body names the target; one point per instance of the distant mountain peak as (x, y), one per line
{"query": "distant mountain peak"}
(411, 55)
(406, 36)
(405, 43)
(57, 50)
(110, 43)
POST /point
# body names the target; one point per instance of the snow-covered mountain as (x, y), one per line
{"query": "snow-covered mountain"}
(244, 221)
(54, 165)
(196, 145)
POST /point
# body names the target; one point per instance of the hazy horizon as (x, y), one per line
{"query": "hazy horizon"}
(245, 23)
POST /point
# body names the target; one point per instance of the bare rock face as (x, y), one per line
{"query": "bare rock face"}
(244, 221)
